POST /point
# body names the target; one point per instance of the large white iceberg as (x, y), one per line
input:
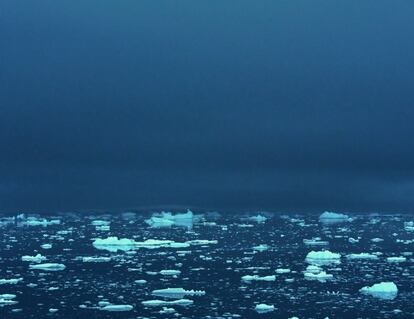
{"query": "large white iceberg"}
(383, 290)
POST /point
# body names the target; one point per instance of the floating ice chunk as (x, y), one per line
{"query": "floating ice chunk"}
(12, 281)
(258, 278)
(263, 308)
(200, 242)
(113, 244)
(362, 256)
(34, 259)
(383, 290)
(261, 247)
(315, 242)
(33, 221)
(53, 310)
(166, 310)
(353, 240)
(46, 246)
(313, 269)
(48, 267)
(167, 219)
(96, 259)
(333, 218)
(156, 303)
(409, 226)
(101, 222)
(282, 271)
(140, 281)
(320, 276)
(177, 292)
(324, 257)
(377, 240)
(117, 308)
(396, 259)
(258, 218)
(7, 300)
(170, 272)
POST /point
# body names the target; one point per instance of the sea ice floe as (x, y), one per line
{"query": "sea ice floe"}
(383, 290)
(261, 247)
(157, 303)
(48, 267)
(315, 242)
(258, 278)
(324, 257)
(177, 292)
(396, 259)
(332, 218)
(167, 219)
(258, 218)
(263, 308)
(282, 271)
(170, 272)
(7, 300)
(362, 256)
(12, 281)
(320, 276)
(117, 308)
(96, 259)
(34, 259)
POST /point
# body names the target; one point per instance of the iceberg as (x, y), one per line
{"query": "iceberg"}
(156, 303)
(396, 259)
(117, 308)
(263, 308)
(362, 256)
(34, 259)
(170, 272)
(383, 290)
(177, 293)
(96, 259)
(324, 257)
(167, 219)
(258, 278)
(113, 244)
(320, 276)
(48, 267)
(328, 218)
(12, 281)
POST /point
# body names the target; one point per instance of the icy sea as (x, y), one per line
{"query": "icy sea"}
(218, 265)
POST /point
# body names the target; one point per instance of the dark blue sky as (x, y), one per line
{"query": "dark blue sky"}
(283, 105)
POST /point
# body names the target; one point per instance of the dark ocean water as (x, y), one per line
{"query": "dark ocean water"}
(215, 267)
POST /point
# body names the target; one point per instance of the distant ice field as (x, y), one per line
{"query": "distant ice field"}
(207, 265)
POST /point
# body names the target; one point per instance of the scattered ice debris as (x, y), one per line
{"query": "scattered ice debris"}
(157, 303)
(258, 278)
(34, 259)
(324, 257)
(362, 256)
(177, 292)
(383, 290)
(12, 281)
(96, 259)
(48, 267)
(263, 308)
(396, 259)
(333, 218)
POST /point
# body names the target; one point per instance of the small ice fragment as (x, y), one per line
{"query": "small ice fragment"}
(48, 267)
(263, 308)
